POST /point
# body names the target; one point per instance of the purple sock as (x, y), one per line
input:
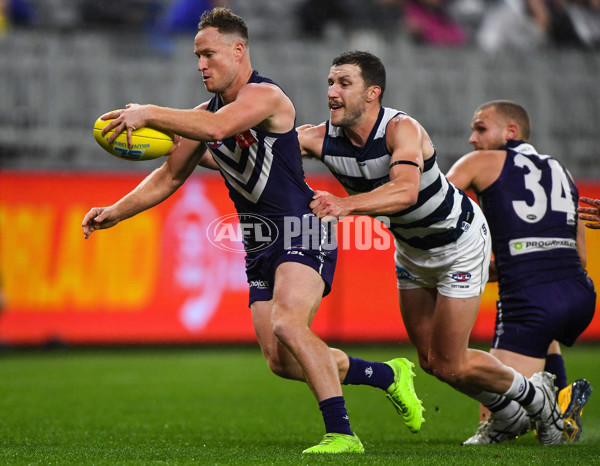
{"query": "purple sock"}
(555, 364)
(335, 416)
(375, 374)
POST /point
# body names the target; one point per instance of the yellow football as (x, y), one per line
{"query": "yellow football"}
(147, 143)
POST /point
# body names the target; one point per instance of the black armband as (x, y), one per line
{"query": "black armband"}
(406, 162)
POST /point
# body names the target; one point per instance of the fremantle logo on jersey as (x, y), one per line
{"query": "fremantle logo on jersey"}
(247, 165)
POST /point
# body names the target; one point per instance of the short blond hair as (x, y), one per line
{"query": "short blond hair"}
(513, 112)
(226, 21)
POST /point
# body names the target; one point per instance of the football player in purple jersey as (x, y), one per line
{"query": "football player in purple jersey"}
(247, 131)
(546, 297)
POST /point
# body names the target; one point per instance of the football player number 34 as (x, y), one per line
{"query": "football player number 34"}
(560, 193)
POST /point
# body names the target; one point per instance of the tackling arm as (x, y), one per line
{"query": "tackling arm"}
(405, 140)
(311, 139)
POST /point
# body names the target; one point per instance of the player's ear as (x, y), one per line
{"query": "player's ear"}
(373, 93)
(238, 49)
(512, 131)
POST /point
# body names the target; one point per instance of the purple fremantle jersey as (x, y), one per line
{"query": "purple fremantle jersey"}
(263, 172)
(531, 211)
(442, 212)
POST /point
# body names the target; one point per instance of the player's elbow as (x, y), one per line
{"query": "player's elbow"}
(411, 198)
(403, 201)
(215, 133)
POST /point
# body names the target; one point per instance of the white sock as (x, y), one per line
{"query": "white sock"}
(501, 406)
(524, 393)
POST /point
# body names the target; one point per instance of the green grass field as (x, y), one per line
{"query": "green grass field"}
(223, 406)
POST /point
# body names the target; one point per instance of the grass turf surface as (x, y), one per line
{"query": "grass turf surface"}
(223, 406)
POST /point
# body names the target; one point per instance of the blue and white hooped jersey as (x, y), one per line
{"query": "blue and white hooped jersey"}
(262, 170)
(531, 210)
(442, 212)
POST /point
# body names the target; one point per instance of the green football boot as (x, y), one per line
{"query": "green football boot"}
(337, 443)
(402, 394)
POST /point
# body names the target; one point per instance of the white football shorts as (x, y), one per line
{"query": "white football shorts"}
(457, 270)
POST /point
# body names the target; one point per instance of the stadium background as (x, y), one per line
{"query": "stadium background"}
(156, 278)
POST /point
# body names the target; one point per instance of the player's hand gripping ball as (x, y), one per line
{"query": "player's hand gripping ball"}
(147, 143)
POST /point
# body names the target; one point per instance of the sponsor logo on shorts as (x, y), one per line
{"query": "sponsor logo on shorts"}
(403, 274)
(461, 276)
(260, 284)
(529, 245)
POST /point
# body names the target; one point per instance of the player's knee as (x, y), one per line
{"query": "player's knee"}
(447, 372)
(281, 329)
(286, 329)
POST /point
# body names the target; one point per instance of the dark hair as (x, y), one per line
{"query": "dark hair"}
(511, 111)
(225, 20)
(371, 67)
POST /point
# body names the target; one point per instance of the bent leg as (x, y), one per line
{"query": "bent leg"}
(451, 359)
(280, 360)
(296, 298)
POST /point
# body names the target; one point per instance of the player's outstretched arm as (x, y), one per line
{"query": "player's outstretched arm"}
(154, 189)
(257, 104)
(591, 215)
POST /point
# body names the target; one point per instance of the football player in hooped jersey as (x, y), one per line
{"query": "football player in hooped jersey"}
(249, 130)
(387, 163)
(539, 248)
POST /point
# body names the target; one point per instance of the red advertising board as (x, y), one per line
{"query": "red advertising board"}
(158, 278)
